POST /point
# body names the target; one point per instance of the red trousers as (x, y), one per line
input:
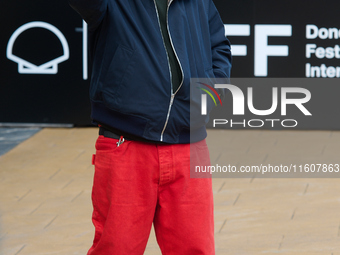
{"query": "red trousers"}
(137, 184)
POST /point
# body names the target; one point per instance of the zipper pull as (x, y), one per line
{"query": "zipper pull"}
(172, 99)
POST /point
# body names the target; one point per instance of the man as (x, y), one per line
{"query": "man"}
(144, 53)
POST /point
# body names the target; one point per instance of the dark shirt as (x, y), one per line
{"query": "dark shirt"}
(176, 74)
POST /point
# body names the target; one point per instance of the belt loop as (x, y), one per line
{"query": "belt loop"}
(93, 159)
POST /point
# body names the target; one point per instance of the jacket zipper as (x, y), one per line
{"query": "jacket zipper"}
(172, 45)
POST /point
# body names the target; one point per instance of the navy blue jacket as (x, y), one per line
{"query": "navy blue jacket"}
(131, 82)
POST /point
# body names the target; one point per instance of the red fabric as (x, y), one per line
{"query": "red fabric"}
(137, 184)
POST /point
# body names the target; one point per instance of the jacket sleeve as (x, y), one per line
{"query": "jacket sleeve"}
(220, 45)
(92, 11)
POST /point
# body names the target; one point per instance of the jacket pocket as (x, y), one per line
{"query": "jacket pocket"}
(118, 69)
